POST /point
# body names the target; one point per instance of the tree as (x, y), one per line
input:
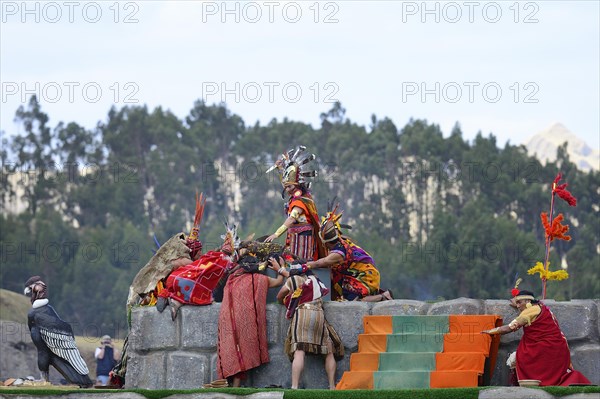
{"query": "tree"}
(34, 155)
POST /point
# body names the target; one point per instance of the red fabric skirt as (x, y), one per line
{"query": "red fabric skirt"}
(242, 339)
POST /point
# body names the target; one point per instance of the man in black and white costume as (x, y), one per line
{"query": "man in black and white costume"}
(53, 338)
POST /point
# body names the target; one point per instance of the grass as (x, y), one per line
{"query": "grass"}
(13, 306)
(448, 393)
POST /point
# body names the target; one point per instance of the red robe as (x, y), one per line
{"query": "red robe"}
(193, 284)
(242, 337)
(543, 353)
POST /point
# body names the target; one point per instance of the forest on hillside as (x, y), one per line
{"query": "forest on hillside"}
(443, 217)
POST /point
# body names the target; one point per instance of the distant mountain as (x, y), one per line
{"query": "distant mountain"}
(545, 143)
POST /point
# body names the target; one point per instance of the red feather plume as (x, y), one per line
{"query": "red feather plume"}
(562, 192)
(557, 230)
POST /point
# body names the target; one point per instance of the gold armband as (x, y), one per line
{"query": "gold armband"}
(281, 230)
(296, 213)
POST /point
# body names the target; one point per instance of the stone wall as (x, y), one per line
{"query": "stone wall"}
(182, 354)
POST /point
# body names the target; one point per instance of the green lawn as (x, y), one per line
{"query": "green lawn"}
(454, 393)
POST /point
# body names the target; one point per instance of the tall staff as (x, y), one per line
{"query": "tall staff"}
(553, 230)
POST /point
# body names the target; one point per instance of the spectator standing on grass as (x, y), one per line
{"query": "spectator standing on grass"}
(107, 357)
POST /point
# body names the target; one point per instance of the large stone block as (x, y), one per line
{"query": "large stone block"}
(597, 332)
(79, 395)
(151, 330)
(314, 375)
(187, 370)
(501, 374)
(275, 315)
(342, 365)
(277, 372)
(213, 367)
(514, 393)
(457, 306)
(199, 327)
(400, 307)
(502, 308)
(586, 359)
(347, 320)
(577, 319)
(147, 372)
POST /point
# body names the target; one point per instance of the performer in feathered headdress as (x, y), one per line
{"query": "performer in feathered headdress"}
(302, 222)
(543, 353)
(353, 272)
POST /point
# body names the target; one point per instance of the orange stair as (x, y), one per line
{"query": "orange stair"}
(467, 359)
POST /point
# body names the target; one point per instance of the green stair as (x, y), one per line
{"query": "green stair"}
(420, 325)
(410, 352)
(402, 361)
(415, 343)
(400, 379)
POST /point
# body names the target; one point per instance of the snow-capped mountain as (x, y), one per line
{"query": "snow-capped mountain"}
(545, 143)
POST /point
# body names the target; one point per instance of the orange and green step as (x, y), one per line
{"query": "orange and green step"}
(438, 351)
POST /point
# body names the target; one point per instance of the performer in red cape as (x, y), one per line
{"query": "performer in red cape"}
(193, 283)
(302, 222)
(543, 353)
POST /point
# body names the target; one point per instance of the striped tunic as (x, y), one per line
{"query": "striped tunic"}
(309, 331)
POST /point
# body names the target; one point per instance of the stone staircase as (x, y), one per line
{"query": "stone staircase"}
(439, 351)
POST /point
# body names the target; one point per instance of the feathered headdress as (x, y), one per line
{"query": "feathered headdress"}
(515, 291)
(192, 241)
(332, 207)
(231, 241)
(295, 167)
(200, 201)
(330, 224)
(553, 230)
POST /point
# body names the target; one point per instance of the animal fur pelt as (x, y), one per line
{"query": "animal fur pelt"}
(158, 267)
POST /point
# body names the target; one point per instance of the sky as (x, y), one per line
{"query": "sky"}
(508, 68)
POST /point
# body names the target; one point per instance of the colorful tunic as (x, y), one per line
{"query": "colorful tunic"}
(242, 337)
(303, 236)
(193, 284)
(543, 353)
(309, 331)
(356, 276)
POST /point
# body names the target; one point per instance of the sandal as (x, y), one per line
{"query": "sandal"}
(222, 383)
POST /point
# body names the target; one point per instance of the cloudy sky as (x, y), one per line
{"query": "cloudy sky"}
(508, 68)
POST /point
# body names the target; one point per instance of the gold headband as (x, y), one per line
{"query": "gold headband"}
(519, 297)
